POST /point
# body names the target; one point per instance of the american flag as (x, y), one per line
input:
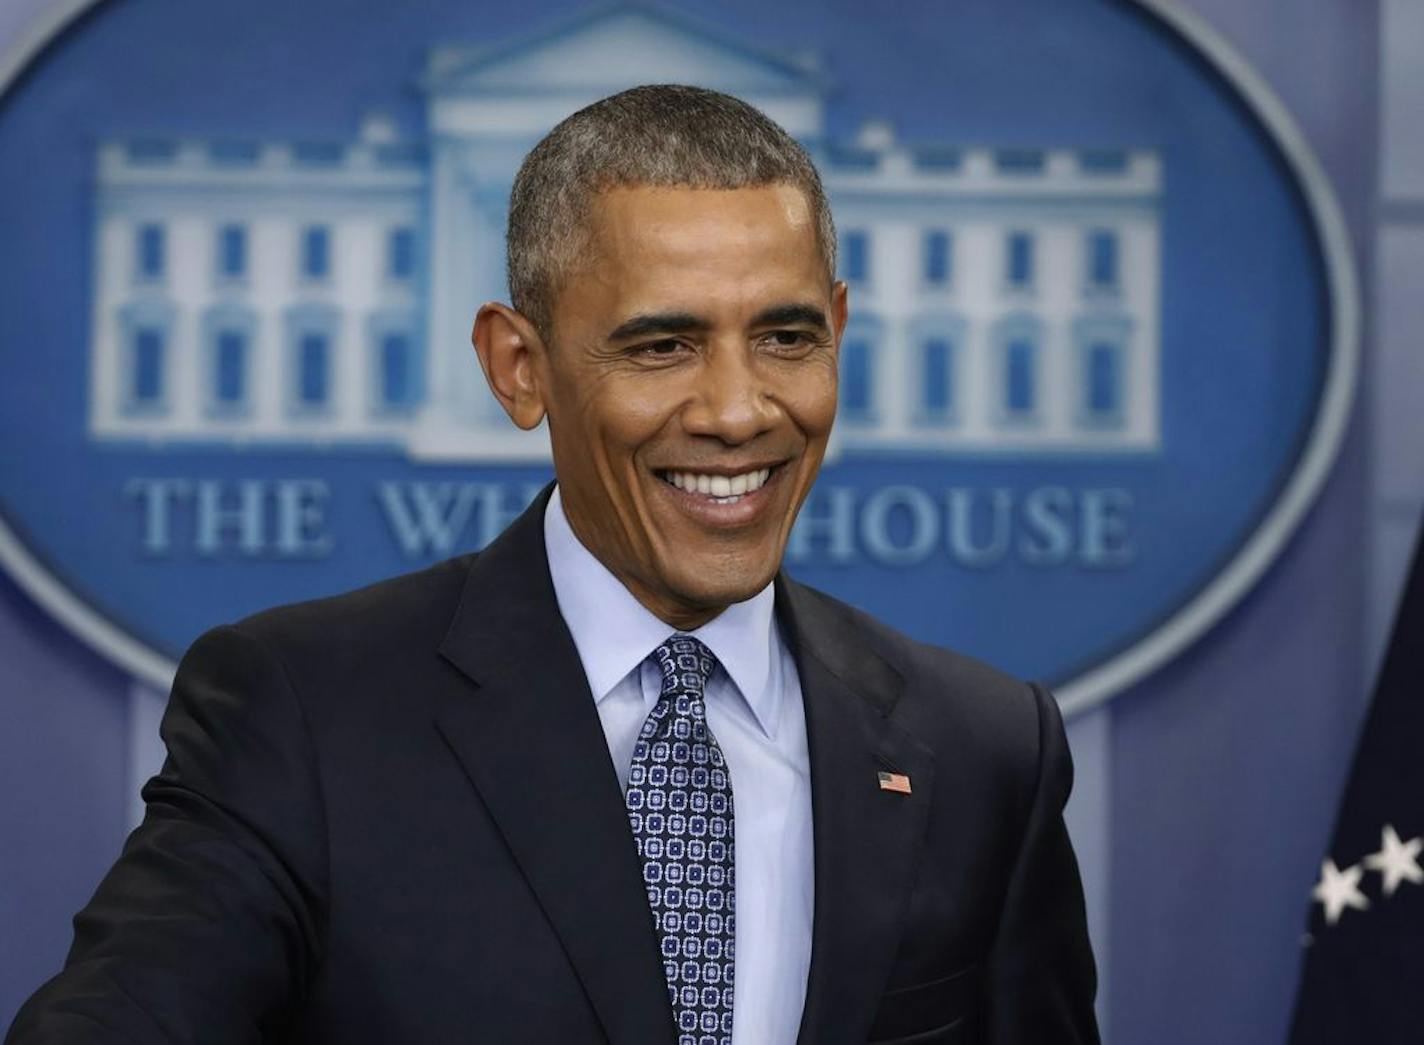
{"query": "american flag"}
(894, 782)
(1364, 955)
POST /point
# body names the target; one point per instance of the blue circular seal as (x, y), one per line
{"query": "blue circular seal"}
(1101, 354)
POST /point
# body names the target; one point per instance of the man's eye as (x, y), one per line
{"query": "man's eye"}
(782, 340)
(666, 347)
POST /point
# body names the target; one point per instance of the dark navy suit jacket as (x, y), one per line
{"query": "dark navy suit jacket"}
(391, 817)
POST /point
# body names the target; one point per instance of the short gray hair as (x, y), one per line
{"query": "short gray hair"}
(659, 134)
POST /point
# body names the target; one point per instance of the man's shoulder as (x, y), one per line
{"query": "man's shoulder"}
(919, 662)
(408, 611)
(946, 691)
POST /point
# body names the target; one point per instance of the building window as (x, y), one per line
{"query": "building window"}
(1017, 342)
(145, 345)
(151, 251)
(230, 368)
(937, 257)
(316, 252)
(1102, 260)
(1102, 370)
(1020, 161)
(1102, 161)
(318, 154)
(1102, 383)
(1018, 271)
(235, 153)
(857, 378)
(400, 254)
(311, 345)
(1020, 377)
(313, 369)
(396, 383)
(855, 253)
(232, 252)
(146, 374)
(395, 364)
(937, 378)
(228, 340)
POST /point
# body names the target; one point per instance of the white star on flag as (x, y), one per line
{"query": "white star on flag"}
(1339, 889)
(1397, 861)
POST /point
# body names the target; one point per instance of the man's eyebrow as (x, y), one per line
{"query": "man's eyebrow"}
(658, 323)
(649, 323)
(791, 315)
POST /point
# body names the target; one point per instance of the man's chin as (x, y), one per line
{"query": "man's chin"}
(711, 594)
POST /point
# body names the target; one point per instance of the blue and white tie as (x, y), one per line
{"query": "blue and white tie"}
(680, 807)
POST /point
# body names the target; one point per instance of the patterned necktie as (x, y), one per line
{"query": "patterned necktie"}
(680, 807)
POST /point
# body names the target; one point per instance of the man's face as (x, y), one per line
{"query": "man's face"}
(691, 387)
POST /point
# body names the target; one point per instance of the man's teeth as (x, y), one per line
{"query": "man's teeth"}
(719, 486)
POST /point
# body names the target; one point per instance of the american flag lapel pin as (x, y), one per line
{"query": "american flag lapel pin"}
(897, 782)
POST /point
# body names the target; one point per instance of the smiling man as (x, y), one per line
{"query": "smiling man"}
(617, 778)
(687, 369)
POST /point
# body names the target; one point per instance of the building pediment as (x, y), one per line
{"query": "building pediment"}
(606, 50)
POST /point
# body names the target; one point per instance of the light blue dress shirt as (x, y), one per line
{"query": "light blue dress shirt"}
(755, 711)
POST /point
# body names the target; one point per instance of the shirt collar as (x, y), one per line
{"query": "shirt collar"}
(614, 632)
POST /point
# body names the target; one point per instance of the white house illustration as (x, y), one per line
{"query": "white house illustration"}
(255, 292)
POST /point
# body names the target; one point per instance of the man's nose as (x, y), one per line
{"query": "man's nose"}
(734, 401)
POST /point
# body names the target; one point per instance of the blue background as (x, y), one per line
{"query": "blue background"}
(1243, 317)
(1219, 773)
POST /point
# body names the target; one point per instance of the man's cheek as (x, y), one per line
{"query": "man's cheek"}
(815, 404)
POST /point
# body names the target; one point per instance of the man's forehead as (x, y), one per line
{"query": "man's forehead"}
(641, 204)
(649, 233)
(723, 253)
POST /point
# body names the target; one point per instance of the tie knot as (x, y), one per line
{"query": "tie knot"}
(686, 664)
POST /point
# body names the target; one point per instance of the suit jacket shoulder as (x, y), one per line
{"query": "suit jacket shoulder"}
(344, 635)
(947, 694)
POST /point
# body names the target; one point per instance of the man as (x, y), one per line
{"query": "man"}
(615, 778)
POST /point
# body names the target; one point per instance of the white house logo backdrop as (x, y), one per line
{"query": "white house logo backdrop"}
(1100, 345)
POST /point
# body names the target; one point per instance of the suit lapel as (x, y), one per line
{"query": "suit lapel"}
(526, 730)
(867, 839)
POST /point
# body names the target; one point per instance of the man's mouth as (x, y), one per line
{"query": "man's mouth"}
(719, 488)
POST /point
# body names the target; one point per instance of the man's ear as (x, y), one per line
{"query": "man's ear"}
(510, 352)
(840, 308)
